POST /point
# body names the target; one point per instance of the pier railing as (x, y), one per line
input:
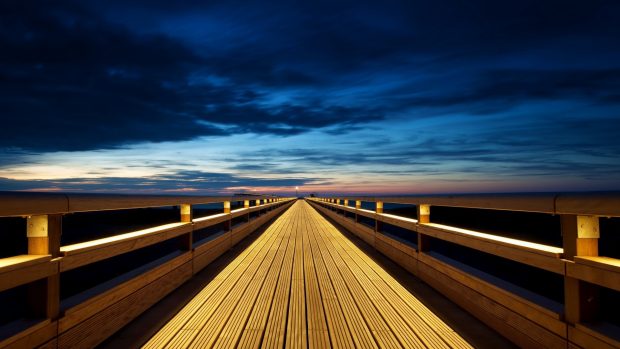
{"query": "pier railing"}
(526, 318)
(89, 317)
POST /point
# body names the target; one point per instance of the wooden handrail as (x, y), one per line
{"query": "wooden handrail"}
(26, 204)
(605, 204)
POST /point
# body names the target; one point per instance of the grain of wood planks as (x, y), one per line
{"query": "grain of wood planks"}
(302, 284)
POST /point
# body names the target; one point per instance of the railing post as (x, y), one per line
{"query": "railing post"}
(358, 205)
(424, 216)
(186, 213)
(346, 202)
(43, 232)
(580, 236)
(246, 204)
(378, 210)
(228, 223)
(186, 217)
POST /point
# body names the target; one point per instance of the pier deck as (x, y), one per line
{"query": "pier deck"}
(302, 283)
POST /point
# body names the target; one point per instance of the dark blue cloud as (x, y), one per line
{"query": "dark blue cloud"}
(106, 74)
(77, 82)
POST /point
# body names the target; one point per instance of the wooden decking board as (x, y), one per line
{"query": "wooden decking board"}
(234, 327)
(254, 327)
(362, 335)
(171, 329)
(247, 288)
(412, 309)
(217, 289)
(302, 284)
(276, 324)
(339, 334)
(384, 306)
(379, 328)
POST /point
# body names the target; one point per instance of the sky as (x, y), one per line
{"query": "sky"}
(384, 97)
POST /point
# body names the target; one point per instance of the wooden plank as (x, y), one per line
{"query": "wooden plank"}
(97, 328)
(403, 222)
(185, 326)
(211, 324)
(537, 255)
(262, 286)
(511, 324)
(547, 318)
(361, 330)
(23, 269)
(543, 203)
(207, 221)
(239, 212)
(296, 328)
(339, 333)
(412, 309)
(318, 335)
(201, 260)
(589, 204)
(92, 251)
(96, 304)
(31, 337)
(403, 259)
(232, 331)
(586, 338)
(386, 335)
(411, 331)
(603, 271)
(255, 326)
(363, 232)
(274, 335)
(29, 204)
(212, 243)
(227, 275)
(99, 202)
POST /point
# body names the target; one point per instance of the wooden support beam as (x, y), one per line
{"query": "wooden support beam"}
(358, 205)
(226, 206)
(424, 213)
(378, 210)
(424, 242)
(246, 204)
(424, 216)
(43, 232)
(186, 213)
(186, 240)
(580, 236)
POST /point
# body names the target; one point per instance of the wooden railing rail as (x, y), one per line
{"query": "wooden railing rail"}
(524, 317)
(605, 204)
(27, 204)
(86, 319)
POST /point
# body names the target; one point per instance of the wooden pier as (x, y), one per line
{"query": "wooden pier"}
(302, 283)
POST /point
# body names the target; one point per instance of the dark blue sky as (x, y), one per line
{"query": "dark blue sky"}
(391, 96)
